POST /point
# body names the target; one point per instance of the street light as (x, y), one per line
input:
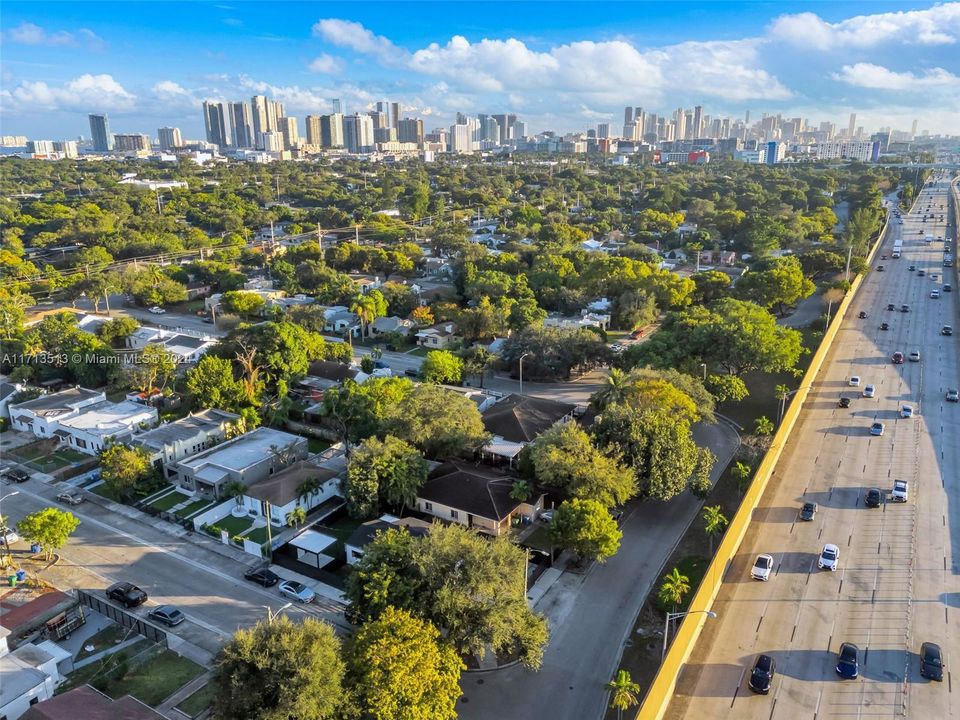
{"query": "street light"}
(674, 616)
(2, 524)
(783, 402)
(272, 614)
(704, 366)
(521, 372)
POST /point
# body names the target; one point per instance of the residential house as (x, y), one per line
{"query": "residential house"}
(185, 347)
(28, 676)
(338, 318)
(198, 289)
(392, 324)
(437, 337)
(41, 415)
(7, 391)
(477, 497)
(100, 425)
(325, 374)
(574, 322)
(266, 294)
(278, 494)
(176, 440)
(721, 257)
(365, 534)
(365, 283)
(248, 458)
(517, 420)
(86, 703)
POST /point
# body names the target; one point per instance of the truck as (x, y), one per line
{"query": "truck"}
(897, 249)
(948, 260)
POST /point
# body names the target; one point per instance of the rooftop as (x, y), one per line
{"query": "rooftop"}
(184, 428)
(472, 489)
(244, 451)
(365, 534)
(284, 486)
(59, 403)
(109, 417)
(89, 704)
(521, 419)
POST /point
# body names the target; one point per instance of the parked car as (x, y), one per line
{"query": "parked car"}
(762, 568)
(877, 429)
(761, 676)
(848, 661)
(547, 516)
(127, 594)
(931, 661)
(297, 591)
(897, 358)
(869, 391)
(953, 395)
(945, 330)
(873, 498)
(70, 498)
(262, 576)
(157, 310)
(829, 557)
(808, 512)
(844, 402)
(901, 491)
(16, 476)
(167, 614)
(906, 411)
(8, 536)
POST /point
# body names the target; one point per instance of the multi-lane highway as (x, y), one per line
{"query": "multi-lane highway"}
(898, 580)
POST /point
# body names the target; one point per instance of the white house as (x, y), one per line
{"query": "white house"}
(41, 416)
(28, 675)
(7, 391)
(185, 348)
(175, 440)
(104, 423)
(283, 491)
(437, 336)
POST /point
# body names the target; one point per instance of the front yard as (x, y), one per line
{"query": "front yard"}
(156, 679)
(168, 501)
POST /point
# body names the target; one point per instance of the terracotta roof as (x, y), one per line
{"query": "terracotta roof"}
(39, 610)
(521, 419)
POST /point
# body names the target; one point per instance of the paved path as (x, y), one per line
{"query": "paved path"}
(168, 705)
(592, 615)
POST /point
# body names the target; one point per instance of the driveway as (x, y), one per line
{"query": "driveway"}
(591, 616)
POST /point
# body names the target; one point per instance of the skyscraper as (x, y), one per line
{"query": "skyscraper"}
(100, 132)
(411, 130)
(290, 132)
(336, 106)
(314, 135)
(852, 128)
(258, 107)
(331, 131)
(242, 120)
(697, 129)
(358, 133)
(460, 138)
(640, 120)
(506, 127)
(680, 124)
(134, 142)
(169, 138)
(913, 129)
(217, 123)
(603, 130)
(627, 115)
(395, 115)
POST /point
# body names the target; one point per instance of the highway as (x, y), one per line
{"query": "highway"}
(898, 580)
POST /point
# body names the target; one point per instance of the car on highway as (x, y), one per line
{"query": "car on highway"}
(876, 429)
(16, 476)
(167, 614)
(761, 676)
(861, 315)
(297, 591)
(873, 498)
(948, 288)
(844, 402)
(953, 395)
(901, 491)
(914, 356)
(897, 358)
(808, 512)
(762, 567)
(904, 308)
(869, 391)
(157, 310)
(934, 294)
(891, 306)
(884, 326)
(912, 268)
(880, 268)
(931, 661)
(921, 273)
(906, 411)
(829, 557)
(883, 257)
(848, 661)
(854, 381)
(70, 498)
(262, 577)
(946, 330)
(127, 594)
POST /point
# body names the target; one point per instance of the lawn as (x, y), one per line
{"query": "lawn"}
(341, 529)
(418, 352)
(103, 639)
(193, 508)
(198, 702)
(70, 455)
(234, 525)
(317, 445)
(157, 679)
(96, 670)
(105, 492)
(168, 501)
(540, 539)
(257, 535)
(31, 452)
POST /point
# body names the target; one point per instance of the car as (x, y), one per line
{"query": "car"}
(262, 576)
(854, 381)
(912, 268)
(883, 257)
(70, 498)
(762, 567)
(207, 319)
(869, 391)
(884, 326)
(934, 277)
(901, 491)
(848, 661)
(636, 334)
(897, 358)
(914, 356)
(829, 557)
(921, 273)
(844, 402)
(891, 306)
(934, 294)
(879, 268)
(877, 429)
(380, 365)
(808, 512)
(948, 288)
(873, 498)
(945, 330)
(412, 372)
(16, 476)
(861, 314)
(904, 308)
(297, 591)
(906, 411)
(167, 614)
(8, 536)
(547, 516)
(931, 661)
(953, 395)
(761, 676)
(157, 310)
(127, 594)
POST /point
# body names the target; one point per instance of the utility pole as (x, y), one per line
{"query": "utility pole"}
(356, 234)
(320, 238)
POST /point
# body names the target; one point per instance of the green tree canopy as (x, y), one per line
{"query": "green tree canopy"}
(123, 467)
(775, 282)
(50, 527)
(388, 471)
(442, 367)
(440, 422)
(587, 528)
(212, 384)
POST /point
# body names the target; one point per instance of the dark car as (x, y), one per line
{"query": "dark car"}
(904, 308)
(844, 402)
(262, 576)
(921, 273)
(761, 677)
(873, 498)
(912, 268)
(848, 661)
(412, 372)
(884, 326)
(947, 288)
(897, 358)
(946, 330)
(879, 268)
(931, 661)
(861, 314)
(891, 306)
(127, 594)
(16, 476)
(883, 257)
(167, 614)
(809, 511)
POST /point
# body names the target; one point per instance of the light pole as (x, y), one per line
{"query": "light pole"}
(783, 402)
(674, 616)
(6, 544)
(272, 614)
(521, 372)
(703, 366)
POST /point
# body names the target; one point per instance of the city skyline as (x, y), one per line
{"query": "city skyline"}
(773, 59)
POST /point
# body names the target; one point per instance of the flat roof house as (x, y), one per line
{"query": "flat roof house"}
(104, 423)
(249, 458)
(176, 440)
(41, 415)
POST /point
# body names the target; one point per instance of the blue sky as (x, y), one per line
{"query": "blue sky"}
(560, 65)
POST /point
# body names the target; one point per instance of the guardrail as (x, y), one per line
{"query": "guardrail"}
(658, 697)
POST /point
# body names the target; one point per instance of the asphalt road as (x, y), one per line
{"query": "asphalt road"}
(898, 582)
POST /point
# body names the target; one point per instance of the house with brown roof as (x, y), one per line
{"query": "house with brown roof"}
(517, 420)
(90, 704)
(437, 337)
(474, 496)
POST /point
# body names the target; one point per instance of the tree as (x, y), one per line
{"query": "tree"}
(727, 387)
(675, 586)
(521, 490)
(390, 471)
(242, 302)
(763, 426)
(743, 474)
(50, 528)
(422, 316)
(624, 693)
(442, 367)
(236, 490)
(279, 670)
(587, 528)
(212, 384)
(711, 285)
(400, 668)
(477, 360)
(115, 331)
(440, 422)
(297, 516)
(366, 309)
(775, 282)
(12, 312)
(714, 523)
(614, 389)
(278, 350)
(123, 467)
(154, 368)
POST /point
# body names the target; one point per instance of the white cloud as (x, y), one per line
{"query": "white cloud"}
(30, 34)
(868, 75)
(302, 100)
(326, 65)
(86, 93)
(938, 25)
(173, 96)
(730, 69)
(353, 35)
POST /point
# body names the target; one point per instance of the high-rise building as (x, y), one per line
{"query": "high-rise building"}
(100, 132)
(603, 130)
(379, 118)
(217, 123)
(852, 127)
(506, 127)
(358, 133)
(697, 129)
(395, 115)
(314, 135)
(40, 147)
(261, 124)
(680, 124)
(272, 141)
(519, 129)
(410, 130)
(489, 129)
(336, 106)
(169, 138)
(331, 131)
(640, 120)
(290, 132)
(385, 135)
(241, 118)
(67, 148)
(627, 115)
(913, 129)
(461, 138)
(134, 142)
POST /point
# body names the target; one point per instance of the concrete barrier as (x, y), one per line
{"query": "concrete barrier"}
(657, 699)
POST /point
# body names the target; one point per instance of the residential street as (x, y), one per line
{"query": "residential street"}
(591, 616)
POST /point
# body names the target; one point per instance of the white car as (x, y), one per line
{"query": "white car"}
(901, 491)
(906, 411)
(914, 356)
(869, 391)
(953, 395)
(935, 294)
(157, 310)
(296, 591)
(762, 568)
(8, 536)
(854, 381)
(829, 557)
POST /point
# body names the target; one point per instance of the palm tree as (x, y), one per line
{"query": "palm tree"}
(675, 586)
(521, 490)
(309, 487)
(715, 522)
(366, 309)
(742, 471)
(297, 516)
(236, 490)
(614, 389)
(623, 692)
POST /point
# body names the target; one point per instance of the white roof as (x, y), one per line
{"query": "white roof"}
(313, 541)
(503, 448)
(109, 417)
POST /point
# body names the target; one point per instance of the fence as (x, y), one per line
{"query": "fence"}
(122, 617)
(658, 697)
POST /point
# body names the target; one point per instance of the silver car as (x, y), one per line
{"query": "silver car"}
(296, 591)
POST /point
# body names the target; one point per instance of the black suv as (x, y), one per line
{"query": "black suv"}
(931, 661)
(761, 677)
(127, 594)
(16, 476)
(262, 576)
(874, 498)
